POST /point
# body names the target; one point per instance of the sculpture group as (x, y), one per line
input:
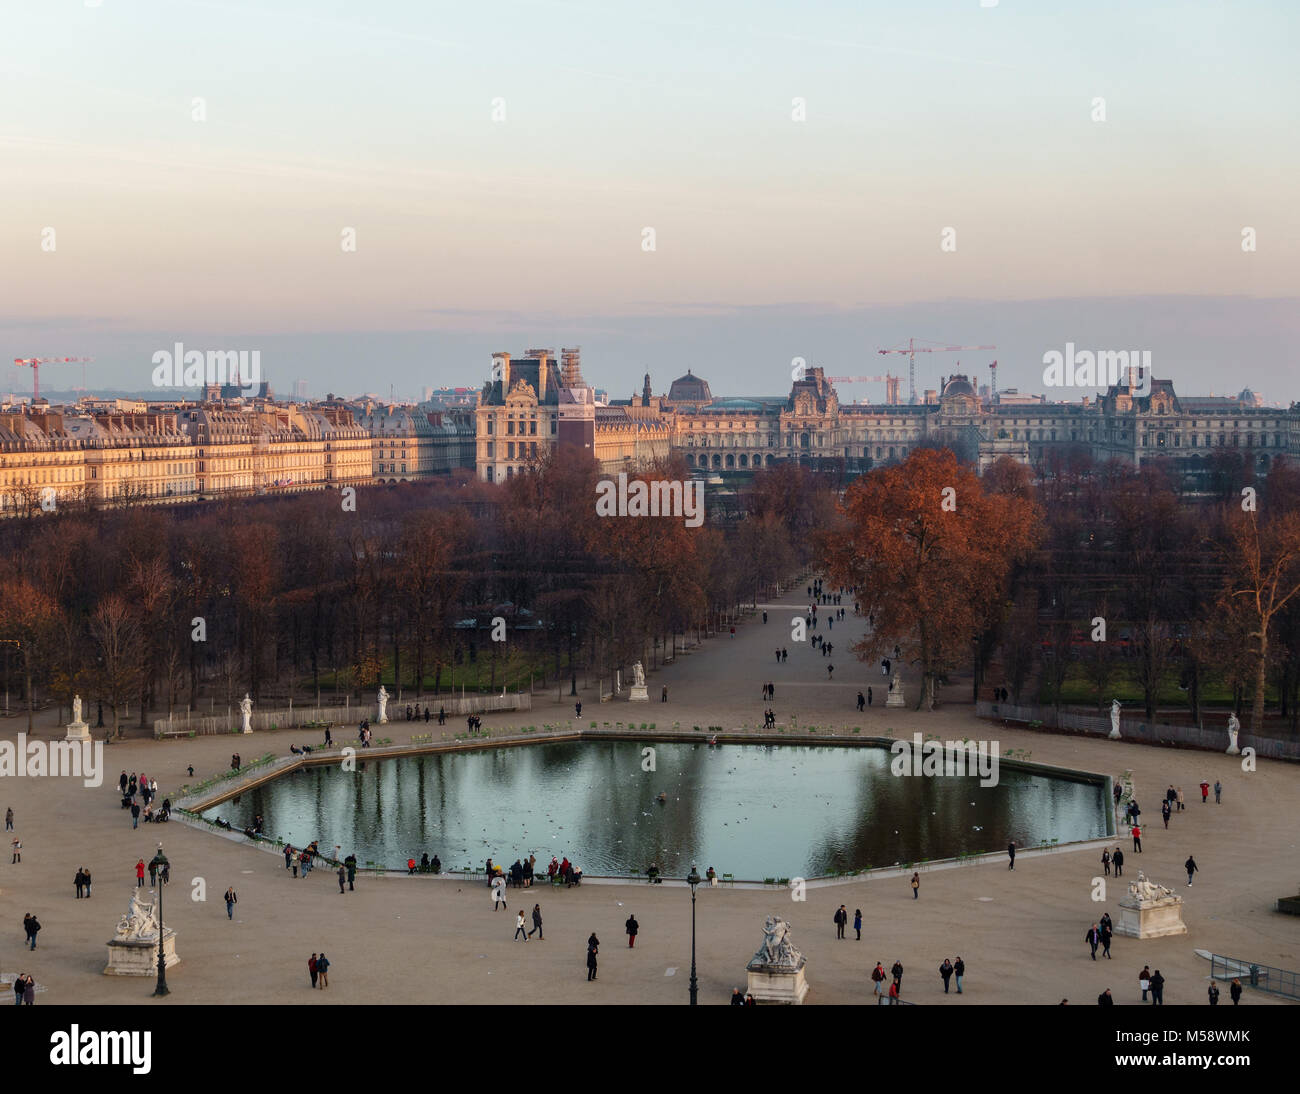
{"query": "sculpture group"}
(776, 971)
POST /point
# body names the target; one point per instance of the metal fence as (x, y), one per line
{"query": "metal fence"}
(1257, 976)
(1137, 729)
(205, 725)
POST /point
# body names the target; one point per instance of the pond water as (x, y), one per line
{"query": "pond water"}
(755, 811)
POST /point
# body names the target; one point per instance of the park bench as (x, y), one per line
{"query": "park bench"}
(173, 734)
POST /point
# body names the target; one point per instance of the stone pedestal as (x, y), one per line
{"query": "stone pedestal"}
(139, 956)
(895, 697)
(769, 984)
(1150, 918)
(638, 693)
(77, 731)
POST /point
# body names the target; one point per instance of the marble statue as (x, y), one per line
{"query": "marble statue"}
(246, 712)
(1234, 727)
(140, 923)
(777, 948)
(76, 709)
(1114, 720)
(638, 674)
(383, 705)
(1142, 889)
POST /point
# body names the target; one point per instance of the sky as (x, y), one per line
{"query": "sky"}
(176, 170)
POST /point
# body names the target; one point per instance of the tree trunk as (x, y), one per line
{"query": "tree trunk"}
(1257, 707)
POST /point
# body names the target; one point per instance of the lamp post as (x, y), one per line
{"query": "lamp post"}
(160, 862)
(693, 881)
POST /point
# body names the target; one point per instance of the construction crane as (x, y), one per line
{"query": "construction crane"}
(993, 371)
(912, 349)
(35, 363)
(890, 381)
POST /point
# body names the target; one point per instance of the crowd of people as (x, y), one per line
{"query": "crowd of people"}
(147, 790)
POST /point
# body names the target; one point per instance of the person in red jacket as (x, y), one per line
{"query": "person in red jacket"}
(1137, 839)
(139, 874)
(1205, 792)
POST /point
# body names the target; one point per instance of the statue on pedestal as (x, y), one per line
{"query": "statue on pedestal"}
(1142, 889)
(638, 674)
(140, 923)
(1114, 720)
(76, 710)
(246, 713)
(1234, 727)
(383, 705)
(777, 949)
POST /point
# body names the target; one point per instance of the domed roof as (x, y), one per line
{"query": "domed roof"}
(958, 385)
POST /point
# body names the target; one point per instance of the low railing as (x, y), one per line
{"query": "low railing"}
(1252, 974)
(1141, 731)
(184, 723)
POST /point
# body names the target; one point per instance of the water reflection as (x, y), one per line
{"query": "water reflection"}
(754, 811)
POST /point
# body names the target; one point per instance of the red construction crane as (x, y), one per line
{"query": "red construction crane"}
(993, 371)
(35, 363)
(912, 349)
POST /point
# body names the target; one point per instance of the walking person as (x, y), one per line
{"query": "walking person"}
(857, 923)
(631, 926)
(1164, 812)
(1136, 833)
(20, 983)
(1144, 981)
(1218, 789)
(18, 851)
(868, 695)
(1105, 938)
(139, 874)
(1105, 860)
(343, 876)
(32, 926)
(311, 969)
(878, 980)
(1234, 990)
(537, 923)
(1105, 1000)
(231, 901)
(9, 819)
(1093, 938)
(1011, 854)
(862, 702)
(1214, 994)
(351, 863)
(85, 878)
(1205, 791)
(959, 970)
(841, 918)
(519, 927)
(322, 971)
(1191, 868)
(593, 946)
(79, 882)
(1157, 989)
(897, 972)
(916, 886)
(135, 814)
(1117, 859)
(945, 971)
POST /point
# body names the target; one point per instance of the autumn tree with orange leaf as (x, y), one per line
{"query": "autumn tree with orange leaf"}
(928, 550)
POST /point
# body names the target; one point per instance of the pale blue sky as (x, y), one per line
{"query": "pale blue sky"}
(774, 238)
